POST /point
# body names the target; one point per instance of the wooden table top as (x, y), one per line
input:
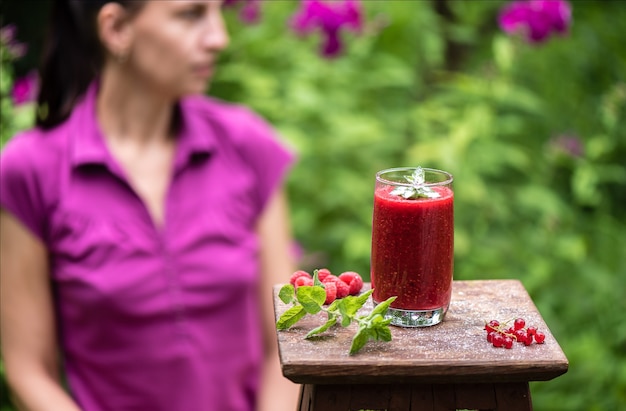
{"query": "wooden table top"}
(454, 351)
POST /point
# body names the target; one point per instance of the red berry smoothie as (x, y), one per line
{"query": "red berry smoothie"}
(412, 249)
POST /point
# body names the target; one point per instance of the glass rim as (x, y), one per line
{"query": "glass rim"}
(381, 179)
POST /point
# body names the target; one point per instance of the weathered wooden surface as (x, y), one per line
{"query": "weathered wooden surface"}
(455, 351)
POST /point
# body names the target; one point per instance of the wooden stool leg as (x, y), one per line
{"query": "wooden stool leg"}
(443, 397)
(355, 397)
(422, 397)
(369, 397)
(475, 396)
(513, 397)
(389, 397)
(324, 397)
(493, 397)
(304, 404)
(419, 397)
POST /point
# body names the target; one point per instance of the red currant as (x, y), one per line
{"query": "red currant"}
(497, 340)
(508, 342)
(539, 337)
(492, 325)
(501, 335)
(519, 323)
(520, 335)
(528, 340)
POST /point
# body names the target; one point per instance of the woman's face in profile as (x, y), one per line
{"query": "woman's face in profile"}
(176, 44)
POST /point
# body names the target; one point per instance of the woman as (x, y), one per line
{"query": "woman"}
(142, 224)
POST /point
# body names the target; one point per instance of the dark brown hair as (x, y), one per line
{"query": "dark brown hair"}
(72, 57)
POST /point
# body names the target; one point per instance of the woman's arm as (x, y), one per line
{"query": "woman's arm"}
(27, 324)
(277, 392)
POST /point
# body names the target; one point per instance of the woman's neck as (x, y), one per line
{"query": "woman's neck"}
(130, 111)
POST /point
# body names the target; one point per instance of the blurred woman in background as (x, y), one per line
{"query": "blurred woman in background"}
(142, 223)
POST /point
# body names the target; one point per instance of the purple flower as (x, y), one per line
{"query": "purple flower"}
(330, 18)
(250, 12)
(8, 39)
(536, 19)
(7, 33)
(567, 145)
(25, 89)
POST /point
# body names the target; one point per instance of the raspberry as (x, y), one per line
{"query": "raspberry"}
(322, 273)
(331, 292)
(354, 280)
(298, 274)
(303, 280)
(343, 289)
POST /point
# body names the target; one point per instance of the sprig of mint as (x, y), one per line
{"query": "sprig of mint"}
(310, 300)
(417, 189)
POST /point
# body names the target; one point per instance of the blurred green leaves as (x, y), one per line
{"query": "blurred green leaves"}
(450, 91)
(526, 207)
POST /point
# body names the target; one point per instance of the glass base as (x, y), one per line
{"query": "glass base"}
(415, 318)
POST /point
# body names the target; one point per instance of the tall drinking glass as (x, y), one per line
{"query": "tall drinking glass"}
(412, 244)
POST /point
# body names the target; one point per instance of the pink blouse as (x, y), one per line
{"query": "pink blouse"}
(152, 318)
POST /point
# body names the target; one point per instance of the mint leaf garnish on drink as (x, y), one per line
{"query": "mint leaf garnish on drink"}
(417, 188)
(307, 299)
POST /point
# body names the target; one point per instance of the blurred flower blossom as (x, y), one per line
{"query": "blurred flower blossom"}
(329, 17)
(25, 89)
(567, 145)
(536, 19)
(8, 40)
(7, 33)
(250, 12)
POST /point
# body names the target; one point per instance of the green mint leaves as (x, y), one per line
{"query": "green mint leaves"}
(310, 300)
(416, 189)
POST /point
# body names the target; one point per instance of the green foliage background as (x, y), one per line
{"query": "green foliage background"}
(448, 90)
(441, 86)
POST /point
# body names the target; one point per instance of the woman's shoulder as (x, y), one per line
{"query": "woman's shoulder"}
(29, 175)
(35, 150)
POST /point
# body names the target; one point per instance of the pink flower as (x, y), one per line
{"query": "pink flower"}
(8, 39)
(7, 33)
(330, 18)
(567, 145)
(250, 12)
(536, 19)
(25, 89)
